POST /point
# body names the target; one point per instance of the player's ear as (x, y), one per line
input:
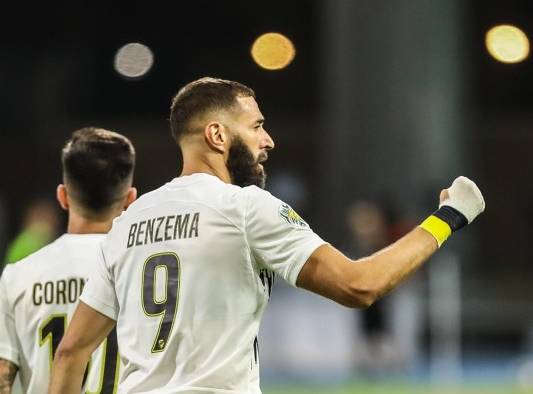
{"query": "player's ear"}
(130, 197)
(62, 196)
(216, 136)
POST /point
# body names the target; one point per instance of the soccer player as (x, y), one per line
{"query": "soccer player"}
(186, 271)
(39, 293)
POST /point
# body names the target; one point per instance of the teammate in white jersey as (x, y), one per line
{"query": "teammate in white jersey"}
(186, 271)
(38, 294)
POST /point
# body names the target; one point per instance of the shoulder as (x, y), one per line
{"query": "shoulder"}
(62, 252)
(32, 259)
(26, 268)
(264, 206)
(254, 194)
(259, 200)
(144, 201)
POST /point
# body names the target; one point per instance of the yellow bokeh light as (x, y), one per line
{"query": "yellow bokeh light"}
(273, 51)
(507, 44)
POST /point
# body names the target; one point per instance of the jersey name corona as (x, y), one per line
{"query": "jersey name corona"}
(163, 228)
(64, 291)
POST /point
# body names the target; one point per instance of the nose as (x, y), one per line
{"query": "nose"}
(268, 142)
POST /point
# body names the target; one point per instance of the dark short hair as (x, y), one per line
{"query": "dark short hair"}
(97, 167)
(200, 96)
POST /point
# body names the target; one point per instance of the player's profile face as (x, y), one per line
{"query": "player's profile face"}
(249, 125)
(243, 167)
(249, 145)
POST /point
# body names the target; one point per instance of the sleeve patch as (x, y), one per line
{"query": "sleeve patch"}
(291, 217)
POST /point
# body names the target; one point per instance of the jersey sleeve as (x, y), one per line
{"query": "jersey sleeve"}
(277, 235)
(99, 292)
(9, 349)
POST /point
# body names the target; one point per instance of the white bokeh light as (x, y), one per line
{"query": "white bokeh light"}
(133, 60)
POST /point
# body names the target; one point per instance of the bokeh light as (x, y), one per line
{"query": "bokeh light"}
(133, 60)
(273, 51)
(507, 44)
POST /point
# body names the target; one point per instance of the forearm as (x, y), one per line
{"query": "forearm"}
(68, 370)
(385, 269)
(358, 284)
(8, 371)
(87, 329)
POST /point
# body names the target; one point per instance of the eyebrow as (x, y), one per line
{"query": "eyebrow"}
(259, 121)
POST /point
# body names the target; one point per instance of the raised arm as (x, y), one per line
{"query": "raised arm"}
(8, 371)
(86, 331)
(360, 283)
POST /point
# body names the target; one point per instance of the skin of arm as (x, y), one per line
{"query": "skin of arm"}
(359, 283)
(8, 371)
(85, 332)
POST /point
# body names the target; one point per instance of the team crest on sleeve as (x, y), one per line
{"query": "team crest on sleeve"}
(290, 216)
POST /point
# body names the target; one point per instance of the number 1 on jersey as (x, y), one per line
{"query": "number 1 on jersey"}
(52, 331)
(166, 306)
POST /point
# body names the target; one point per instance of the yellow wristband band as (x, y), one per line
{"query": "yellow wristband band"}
(438, 228)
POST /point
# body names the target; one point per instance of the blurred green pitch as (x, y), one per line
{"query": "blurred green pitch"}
(390, 388)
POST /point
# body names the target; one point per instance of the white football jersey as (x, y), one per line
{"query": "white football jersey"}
(38, 296)
(187, 271)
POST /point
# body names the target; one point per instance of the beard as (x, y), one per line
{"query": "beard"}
(244, 169)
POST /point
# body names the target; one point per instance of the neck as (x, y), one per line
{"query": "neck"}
(80, 225)
(208, 164)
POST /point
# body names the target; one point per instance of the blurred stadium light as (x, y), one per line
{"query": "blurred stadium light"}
(133, 60)
(507, 44)
(273, 51)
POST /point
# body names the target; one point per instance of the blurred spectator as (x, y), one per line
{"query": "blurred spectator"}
(378, 348)
(40, 225)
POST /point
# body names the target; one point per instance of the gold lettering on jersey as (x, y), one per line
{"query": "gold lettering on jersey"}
(163, 228)
(60, 292)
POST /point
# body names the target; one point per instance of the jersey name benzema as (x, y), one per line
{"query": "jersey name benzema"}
(38, 296)
(187, 272)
